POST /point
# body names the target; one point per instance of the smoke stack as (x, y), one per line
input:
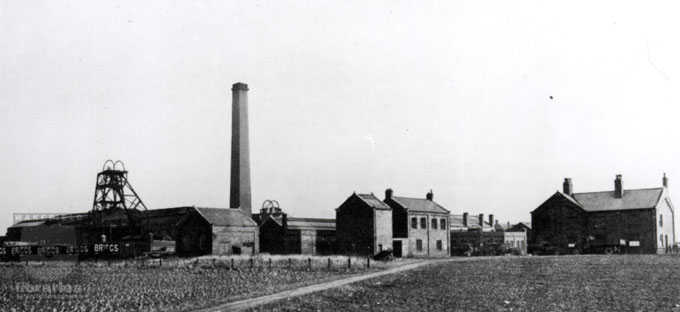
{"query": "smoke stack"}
(665, 180)
(429, 196)
(465, 219)
(388, 194)
(491, 220)
(240, 150)
(567, 187)
(618, 186)
(481, 220)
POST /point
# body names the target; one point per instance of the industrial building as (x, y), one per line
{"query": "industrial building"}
(119, 221)
(281, 234)
(363, 225)
(623, 220)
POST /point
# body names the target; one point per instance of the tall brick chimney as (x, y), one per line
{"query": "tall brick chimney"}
(465, 219)
(491, 220)
(481, 220)
(240, 150)
(388, 193)
(618, 186)
(429, 196)
(665, 180)
(567, 187)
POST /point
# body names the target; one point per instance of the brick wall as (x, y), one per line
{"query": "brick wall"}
(225, 238)
(559, 222)
(354, 227)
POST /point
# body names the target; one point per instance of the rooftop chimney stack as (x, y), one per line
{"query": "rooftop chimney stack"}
(465, 219)
(388, 194)
(665, 180)
(481, 220)
(567, 187)
(240, 150)
(429, 196)
(618, 187)
(491, 220)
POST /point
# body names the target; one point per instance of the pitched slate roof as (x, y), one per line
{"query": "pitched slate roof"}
(606, 201)
(311, 224)
(373, 201)
(419, 204)
(225, 216)
(473, 222)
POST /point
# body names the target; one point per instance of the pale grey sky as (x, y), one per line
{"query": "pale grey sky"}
(454, 94)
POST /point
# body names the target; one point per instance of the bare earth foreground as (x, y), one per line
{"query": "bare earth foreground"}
(567, 283)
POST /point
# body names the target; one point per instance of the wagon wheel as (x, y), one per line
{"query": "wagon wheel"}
(609, 251)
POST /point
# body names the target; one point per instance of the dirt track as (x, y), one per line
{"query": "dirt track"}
(254, 302)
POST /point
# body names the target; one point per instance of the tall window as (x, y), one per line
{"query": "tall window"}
(419, 244)
(414, 223)
(423, 223)
(443, 224)
(661, 220)
(434, 224)
(439, 245)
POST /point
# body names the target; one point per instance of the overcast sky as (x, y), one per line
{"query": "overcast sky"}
(490, 104)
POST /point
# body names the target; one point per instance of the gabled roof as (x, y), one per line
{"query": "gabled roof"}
(225, 216)
(419, 204)
(373, 201)
(632, 199)
(311, 224)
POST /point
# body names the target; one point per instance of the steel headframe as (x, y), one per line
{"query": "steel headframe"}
(113, 190)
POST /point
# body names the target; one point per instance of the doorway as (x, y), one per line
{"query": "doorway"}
(397, 249)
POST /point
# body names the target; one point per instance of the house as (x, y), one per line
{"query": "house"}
(633, 220)
(216, 231)
(420, 226)
(363, 225)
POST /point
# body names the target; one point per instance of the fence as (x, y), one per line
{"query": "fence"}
(236, 262)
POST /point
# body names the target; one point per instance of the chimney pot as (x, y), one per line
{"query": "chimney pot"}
(481, 220)
(567, 187)
(465, 219)
(388, 193)
(491, 220)
(618, 186)
(665, 180)
(429, 195)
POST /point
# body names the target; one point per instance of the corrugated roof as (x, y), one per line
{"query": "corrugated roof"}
(632, 199)
(419, 204)
(373, 201)
(311, 224)
(225, 216)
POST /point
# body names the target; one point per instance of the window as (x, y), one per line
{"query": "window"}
(414, 223)
(379, 247)
(423, 223)
(439, 245)
(434, 224)
(419, 244)
(443, 224)
(660, 220)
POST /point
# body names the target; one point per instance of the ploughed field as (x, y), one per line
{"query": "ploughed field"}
(134, 288)
(567, 283)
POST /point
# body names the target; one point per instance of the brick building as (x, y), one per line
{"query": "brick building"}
(217, 231)
(280, 234)
(634, 221)
(475, 233)
(363, 225)
(420, 226)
